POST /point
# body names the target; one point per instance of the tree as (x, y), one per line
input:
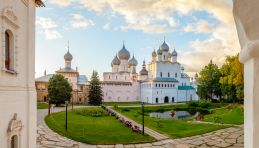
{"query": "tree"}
(95, 93)
(208, 82)
(59, 90)
(232, 79)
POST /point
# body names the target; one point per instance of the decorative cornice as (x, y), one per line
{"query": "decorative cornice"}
(10, 16)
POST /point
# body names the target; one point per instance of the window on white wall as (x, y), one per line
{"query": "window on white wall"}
(9, 50)
(161, 74)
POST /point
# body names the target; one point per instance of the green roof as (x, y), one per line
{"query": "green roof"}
(185, 87)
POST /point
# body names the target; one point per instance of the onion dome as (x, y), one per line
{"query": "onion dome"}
(169, 55)
(159, 52)
(133, 61)
(174, 53)
(116, 61)
(68, 56)
(143, 70)
(154, 54)
(164, 47)
(124, 54)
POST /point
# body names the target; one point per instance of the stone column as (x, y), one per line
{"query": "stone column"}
(247, 23)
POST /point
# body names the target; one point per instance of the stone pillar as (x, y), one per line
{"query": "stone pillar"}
(247, 23)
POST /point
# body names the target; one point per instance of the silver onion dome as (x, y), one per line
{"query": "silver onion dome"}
(133, 61)
(116, 61)
(164, 47)
(154, 54)
(174, 53)
(159, 52)
(68, 56)
(124, 54)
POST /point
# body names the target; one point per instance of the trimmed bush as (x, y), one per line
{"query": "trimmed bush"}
(92, 113)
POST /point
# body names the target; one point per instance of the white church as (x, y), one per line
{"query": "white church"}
(163, 82)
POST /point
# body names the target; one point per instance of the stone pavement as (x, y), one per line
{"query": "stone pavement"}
(225, 138)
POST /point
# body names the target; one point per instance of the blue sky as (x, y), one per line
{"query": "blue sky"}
(198, 30)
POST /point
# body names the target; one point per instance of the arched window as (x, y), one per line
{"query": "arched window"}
(176, 75)
(159, 85)
(14, 141)
(168, 75)
(161, 74)
(8, 50)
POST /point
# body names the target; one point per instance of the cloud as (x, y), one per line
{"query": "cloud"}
(200, 26)
(151, 29)
(79, 21)
(48, 28)
(221, 43)
(106, 26)
(62, 3)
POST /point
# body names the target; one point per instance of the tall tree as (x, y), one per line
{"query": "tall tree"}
(95, 93)
(59, 90)
(232, 79)
(208, 82)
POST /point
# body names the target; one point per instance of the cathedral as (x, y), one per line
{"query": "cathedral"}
(162, 81)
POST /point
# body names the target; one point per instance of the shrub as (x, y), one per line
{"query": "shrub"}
(193, 104)
(125, 110)
(115, 106)
(92, 113)
(205, 104)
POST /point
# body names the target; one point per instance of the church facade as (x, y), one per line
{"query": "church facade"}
(17, 62)
(162, 80)
(78, 82)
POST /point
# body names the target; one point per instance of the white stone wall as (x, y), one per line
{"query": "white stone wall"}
(17, 91)
(121, 93)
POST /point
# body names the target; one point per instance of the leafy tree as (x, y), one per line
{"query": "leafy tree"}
(59, 90)
(232, 79)
(95, 93)
(208, 82)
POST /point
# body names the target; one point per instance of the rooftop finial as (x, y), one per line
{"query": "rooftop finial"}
(123, 43)
(164, 38)
(68, 45)
(45, 72)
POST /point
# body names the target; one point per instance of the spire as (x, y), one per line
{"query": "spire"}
(123, 44)
(68, 45)
(164, 38)
(45, 72)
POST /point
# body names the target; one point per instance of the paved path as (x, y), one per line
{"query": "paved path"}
(225, 138)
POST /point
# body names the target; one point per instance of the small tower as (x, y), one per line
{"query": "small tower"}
(68, 58)
(115, 64)
(174, 56)
(154, 56)
(132, 66)
(143, 74)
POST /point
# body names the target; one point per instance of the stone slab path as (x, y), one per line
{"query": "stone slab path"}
(225, 138)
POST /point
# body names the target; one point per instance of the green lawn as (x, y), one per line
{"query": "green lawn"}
(227, 115)
(121, 103)
(171, 127)
(42, 105)
(94, 130)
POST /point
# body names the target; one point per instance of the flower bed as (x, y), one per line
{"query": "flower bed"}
(129, 124)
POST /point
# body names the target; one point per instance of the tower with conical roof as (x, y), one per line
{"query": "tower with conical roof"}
(68, 58)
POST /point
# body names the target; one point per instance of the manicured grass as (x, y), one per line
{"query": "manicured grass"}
(171, 127)
(94, 130)
(42, 105)
(121, 103)
(228, 115)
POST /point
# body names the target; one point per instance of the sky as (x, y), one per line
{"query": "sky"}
(199, 30)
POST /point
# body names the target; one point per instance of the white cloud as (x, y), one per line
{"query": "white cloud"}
(62, 3)
(200, 26)
(79, 21)
(48, 28)
(106, 26)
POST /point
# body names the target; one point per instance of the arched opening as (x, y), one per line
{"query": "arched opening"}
(9, 50)
(156, 100)
(172, 99)
(14, 141)
(45, 99)
(166, 100)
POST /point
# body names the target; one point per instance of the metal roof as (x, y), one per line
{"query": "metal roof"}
(185, 87)
(44, 78)
(66, 70)
(82, 79)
